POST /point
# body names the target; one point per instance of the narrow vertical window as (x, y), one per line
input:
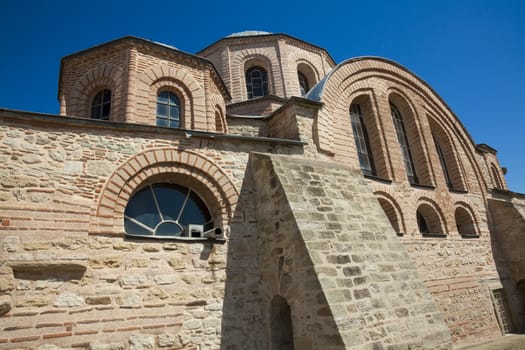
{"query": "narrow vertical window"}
(101, 105)
(168, 110)
(303, 83)
(403, 143)
(362, 143)
(422, 223)
(496, 178)
(443, 162)
(256, 82)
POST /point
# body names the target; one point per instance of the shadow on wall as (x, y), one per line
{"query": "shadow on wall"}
(508, 228)
(272, 297)
(242, 319)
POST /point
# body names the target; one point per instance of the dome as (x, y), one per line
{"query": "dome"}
(248, 33)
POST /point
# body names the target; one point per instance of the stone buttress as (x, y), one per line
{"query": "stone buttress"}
(330, 252)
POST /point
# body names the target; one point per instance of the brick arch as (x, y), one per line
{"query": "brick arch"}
(216, 105)
(433, 215)
(297, 63)
(379, 75)
(366, 99)
(220, 120)
(182, 93)
(414, 133)
(392, 210)
(466, 220)
(249, 58)
(104, 76)
(376, 73)
(190, 167)
(194, 95)
(496, 178)
(444, 138)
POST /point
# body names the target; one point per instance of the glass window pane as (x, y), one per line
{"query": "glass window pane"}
(195, 212)
(256, 82)
(162, 122)
(105, 110)
(142, 212)
(170, 199)
(174, 112)
(95, 112)
(142, 208)
(107, 96)
(174, 123)
(257, 91)
(134, 229)
(168, 229)
(173, 100)
(163, 97)
(162, 110)
(98, 99)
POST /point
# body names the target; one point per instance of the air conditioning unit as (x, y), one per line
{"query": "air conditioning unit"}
(195, 231)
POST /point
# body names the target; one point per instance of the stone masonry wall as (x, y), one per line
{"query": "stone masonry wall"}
(458, 273)
(348, 261)
(507, 215)
(61, 285)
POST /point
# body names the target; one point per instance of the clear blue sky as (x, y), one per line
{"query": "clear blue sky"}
(471, 52)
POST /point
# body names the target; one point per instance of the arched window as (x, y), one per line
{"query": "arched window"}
(303, 83)
(464, 223)
(428, 220)
(166, 210)
(168, 110)
(422, 223)
(362, 143)
(256, 82)
(441, 156)
(447, 155)
(391, 214)
(403, 143)
(101, 105)
(219, 121)
(495, 176)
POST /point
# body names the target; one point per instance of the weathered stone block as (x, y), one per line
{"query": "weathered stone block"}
(169, 340)
(141, 342)
(105, 261)
(68, 300)
(5, 304)
(98, 300)
(106, 346)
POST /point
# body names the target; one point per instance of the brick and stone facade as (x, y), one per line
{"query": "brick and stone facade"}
(314, 253)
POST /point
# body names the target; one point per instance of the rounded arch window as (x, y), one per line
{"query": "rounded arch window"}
(256, 82)
(495, 175)
(303, 83)
(101, 105)
(428, 221)
(165, 210)
(465, 223)
(402, 137)
(168, 109)
(391, 214)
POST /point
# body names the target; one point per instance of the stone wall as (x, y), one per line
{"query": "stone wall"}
(331, 253)
(70, 277)
(507, 218)
(65, 283)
